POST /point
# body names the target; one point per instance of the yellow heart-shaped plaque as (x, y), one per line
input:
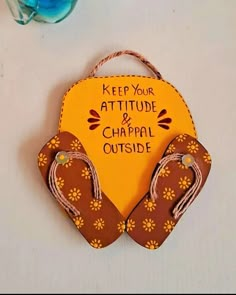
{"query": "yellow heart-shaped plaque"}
(125, 123)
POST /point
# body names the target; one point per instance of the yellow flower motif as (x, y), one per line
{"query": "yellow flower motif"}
(207, 158)
(86, 173)
(68, 163)
(151, 245)
(121, 226)
(75, 145)
(149, 205)
(54, 143)
(165, 171)
(60, 182)
(95, 205)
(99, 224)
(42, 160)
(130, 225)
(168, 193)
(96, 244)
(74, 194)
(168, 226)
(148, 224)
(192, 147)
(170, 149)
(182, 166)
(184, 182)
(181, 137)
(79, 222)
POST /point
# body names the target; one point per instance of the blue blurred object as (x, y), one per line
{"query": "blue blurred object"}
(48, 11)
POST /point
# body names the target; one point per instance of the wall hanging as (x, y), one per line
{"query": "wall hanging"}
(125, 158)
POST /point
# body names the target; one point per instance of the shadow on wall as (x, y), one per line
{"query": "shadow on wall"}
(30, 148)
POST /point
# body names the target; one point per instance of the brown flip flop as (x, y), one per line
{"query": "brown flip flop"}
(73, 181)
(176, 181)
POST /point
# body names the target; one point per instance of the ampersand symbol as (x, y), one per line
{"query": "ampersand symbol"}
(126, 119)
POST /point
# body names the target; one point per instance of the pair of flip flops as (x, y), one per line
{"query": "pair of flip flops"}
(73, 181)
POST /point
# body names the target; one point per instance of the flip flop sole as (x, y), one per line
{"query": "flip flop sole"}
(99, 220)
(151, 221)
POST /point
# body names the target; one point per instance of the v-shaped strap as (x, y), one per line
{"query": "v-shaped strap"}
(62, 158)
(191, 193)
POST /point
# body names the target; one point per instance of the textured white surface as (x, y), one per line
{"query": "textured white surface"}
(193, 43)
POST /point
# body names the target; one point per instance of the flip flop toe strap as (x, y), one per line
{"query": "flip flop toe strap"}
(61, 158)
(191, 193)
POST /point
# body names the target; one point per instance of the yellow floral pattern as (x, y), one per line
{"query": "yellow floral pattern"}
(42, 160)
(99, 224)
(149, 205)
(151, 245)
(181, 165)
(75, 145)
(148, 224)
(86, 173)
(68, 163)
(193, 147)
(168, 226)
(181, 137)
(184, 182)
(96, 244)
(79, 222)
(154, 221)
(170, 149)
(121, 226)
(168, 193)
(130, 225)
(207, 158)
(53, 143)
(95, 205)
(74, 194)
(60, 182)
(165, 171)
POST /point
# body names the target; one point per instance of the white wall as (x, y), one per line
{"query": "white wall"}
(193, 43)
